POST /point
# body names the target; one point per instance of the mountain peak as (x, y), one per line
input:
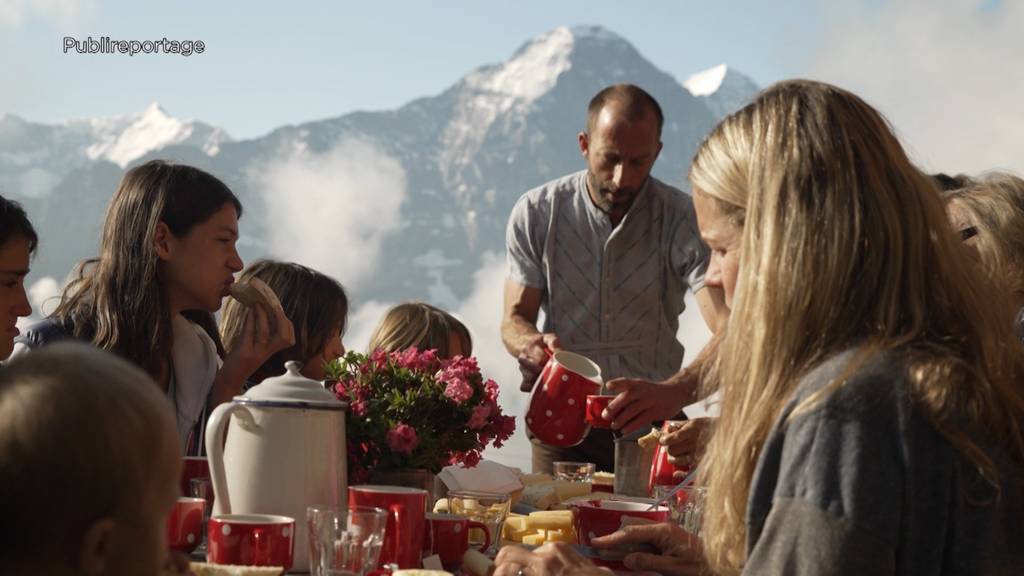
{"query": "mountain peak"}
(706, 82)
(532, 70)
(154, 110)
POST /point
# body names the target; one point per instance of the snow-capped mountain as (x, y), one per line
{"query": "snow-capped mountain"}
(722, 89)
(35, 158)
(121, 139)
(461, 159)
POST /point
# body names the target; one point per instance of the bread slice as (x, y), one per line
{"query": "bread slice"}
(204, 569)
(255, 292)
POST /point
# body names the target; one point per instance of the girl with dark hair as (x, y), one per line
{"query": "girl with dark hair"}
(17, 244)
(167, 259)
(315, 303)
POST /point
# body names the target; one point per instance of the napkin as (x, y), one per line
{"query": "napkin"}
(487, 476)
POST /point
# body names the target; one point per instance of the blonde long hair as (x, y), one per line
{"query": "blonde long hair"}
(994, 204)
(845, 245)
(421, 325)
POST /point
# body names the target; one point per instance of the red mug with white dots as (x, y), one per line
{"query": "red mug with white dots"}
(556, 414)
(251, 540)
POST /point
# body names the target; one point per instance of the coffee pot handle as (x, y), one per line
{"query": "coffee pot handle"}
(215, 428)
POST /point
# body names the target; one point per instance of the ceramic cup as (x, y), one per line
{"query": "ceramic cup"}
(556, 412)
(406, 524)
(596, 405)
(251, 540)
(595, 518)
(448, 537)
(185, 524)
(662, 471)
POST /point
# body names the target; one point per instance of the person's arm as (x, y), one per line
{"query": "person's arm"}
(519, 330)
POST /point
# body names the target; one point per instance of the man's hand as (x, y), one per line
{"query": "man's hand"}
(640, 402)
(532, 357)
(550, 559)
(680, 551)
(683, 442)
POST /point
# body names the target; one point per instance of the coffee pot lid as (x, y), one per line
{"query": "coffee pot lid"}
(293, 390)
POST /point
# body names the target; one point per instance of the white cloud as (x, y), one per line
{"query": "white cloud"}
(44, 294)
(947, 74)
(331, 211)
(61, 12)
(361, 323)
(481, 312)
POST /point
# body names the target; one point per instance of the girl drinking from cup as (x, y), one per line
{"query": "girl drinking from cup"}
(871, 404)
(167, 259)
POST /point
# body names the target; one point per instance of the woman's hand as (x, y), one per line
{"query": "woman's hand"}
(680, 551)
(550, 559)
(266, 331)
(684, 442)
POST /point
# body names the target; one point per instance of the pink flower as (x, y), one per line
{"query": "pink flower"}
(379, 359)
(491, 387)
(359, 408)
(456, 381)
(479, 418)
(402, 438)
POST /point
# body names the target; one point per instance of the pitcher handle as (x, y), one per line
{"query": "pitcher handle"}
(215, 428)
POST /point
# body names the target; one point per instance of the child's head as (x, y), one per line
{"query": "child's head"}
(168, 245)
(423, 326)
(17, 243)
(89, 464)
(315, 303)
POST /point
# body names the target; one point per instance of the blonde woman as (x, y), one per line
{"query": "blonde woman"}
(423, 326)
(988, 216)
(871, 405)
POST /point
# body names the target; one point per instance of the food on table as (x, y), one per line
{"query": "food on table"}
(540, 527)
(421, 573)
(204, 569)
(543, 492)
(477, 564)
(650, 440)
(603, 479)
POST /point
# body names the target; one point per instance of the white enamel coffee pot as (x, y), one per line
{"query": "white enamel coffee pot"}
(285, 451)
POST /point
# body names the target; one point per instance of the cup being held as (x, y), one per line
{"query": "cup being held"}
(556, 414)
(596, 405)
(252, 540)
(663, 471)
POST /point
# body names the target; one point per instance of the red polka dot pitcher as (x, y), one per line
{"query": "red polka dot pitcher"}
(556, 414)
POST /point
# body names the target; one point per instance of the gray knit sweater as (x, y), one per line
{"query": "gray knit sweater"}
(863, 484)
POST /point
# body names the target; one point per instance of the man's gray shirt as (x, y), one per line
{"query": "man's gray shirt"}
(613, 294)
(863, 484)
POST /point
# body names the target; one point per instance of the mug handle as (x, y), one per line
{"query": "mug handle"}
(215, 429)
(487, 533)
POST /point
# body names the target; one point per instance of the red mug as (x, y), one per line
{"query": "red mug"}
(193, 467)
(448, 537)
(185, 524)
(556, 412)
(406, 526)
(251, 540)
(595, 406)
(662, 471)
(595, 518)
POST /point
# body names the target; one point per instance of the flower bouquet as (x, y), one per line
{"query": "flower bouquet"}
(410, 410)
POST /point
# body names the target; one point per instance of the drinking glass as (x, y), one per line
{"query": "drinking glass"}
(203, 488)
(574, 471)
(488, 508)
(692, 514)
(343, 541)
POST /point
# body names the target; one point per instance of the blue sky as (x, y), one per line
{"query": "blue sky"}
(945, 72)
(268, 64)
